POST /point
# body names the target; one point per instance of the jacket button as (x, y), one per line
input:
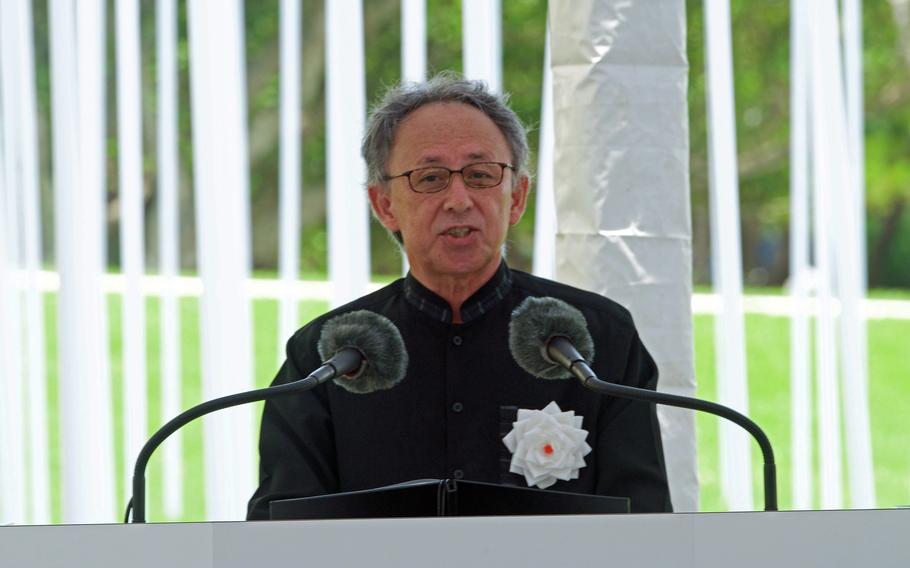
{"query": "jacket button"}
(457, 407)
(458, 474)
(456, 340)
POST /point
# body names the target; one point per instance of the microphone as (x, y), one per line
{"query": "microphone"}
(534, 323)
(383, 361)
(363, 352)
(549, 339)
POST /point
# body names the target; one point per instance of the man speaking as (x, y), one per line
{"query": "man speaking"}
(448, 175)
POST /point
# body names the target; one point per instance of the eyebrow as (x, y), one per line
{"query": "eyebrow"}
(433, 159)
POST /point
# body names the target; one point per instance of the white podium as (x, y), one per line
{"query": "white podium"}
(879, 538)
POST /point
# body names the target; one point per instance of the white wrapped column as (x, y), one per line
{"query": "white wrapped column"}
(221, 172)
(622, 199)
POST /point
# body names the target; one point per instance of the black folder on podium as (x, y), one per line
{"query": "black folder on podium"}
(444, 498)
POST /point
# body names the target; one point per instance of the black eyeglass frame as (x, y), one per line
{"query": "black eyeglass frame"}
(407, 174)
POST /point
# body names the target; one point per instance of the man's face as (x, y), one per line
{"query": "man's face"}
(457, 232)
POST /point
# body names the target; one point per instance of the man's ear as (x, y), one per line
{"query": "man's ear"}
(381, 202)
(519, 200)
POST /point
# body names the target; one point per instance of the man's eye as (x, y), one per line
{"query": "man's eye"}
(479, 174)
(428, 178)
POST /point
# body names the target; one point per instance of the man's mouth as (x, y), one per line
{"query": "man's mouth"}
(458, 232)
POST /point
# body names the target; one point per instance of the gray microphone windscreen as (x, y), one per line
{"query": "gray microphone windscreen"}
(386, 359)
(537, 320)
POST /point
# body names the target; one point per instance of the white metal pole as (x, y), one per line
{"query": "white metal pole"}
(132, 239)
(413, 54)
(289, 197)
(800, 368)
(852, 15)
(825, 195)
(736, 457)
(77, 73)
(414, 40)
(826, 365)
(481, 32)
(218, 93)
(348, 218)
(38, 440)
(12, 479)
(13, 471)
(850, 208)
(21, 148)
(545, 210)
(169, 248)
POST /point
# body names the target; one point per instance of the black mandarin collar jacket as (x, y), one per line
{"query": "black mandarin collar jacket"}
(460, 394)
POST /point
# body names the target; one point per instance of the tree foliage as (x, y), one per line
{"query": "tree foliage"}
(761, 66)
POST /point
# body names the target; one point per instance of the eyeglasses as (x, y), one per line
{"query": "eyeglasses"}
(482, 175)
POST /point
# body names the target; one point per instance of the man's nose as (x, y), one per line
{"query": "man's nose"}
(458, 196)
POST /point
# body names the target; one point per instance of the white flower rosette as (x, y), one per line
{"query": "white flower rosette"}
(547, 445)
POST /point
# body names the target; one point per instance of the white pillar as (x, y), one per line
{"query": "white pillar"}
(413, 54)
(852, 267)
(132, 238)
(20, 121)
(852, 29)
(289, 196)
(218, 91)
(545, 207)
(800, 270)
(413, 40)
(78, 113)
(481, 40)
(726, 260)
(824, 193)
(348, 218)
(169, 249)
(621, 169)
(836, 184)
(13, 473)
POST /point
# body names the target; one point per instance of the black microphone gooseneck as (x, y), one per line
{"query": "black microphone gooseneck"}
(543, 334)
(367, 354)
(561, 350)
(349, 359)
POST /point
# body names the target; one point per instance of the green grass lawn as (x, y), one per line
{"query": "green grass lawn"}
(768, 360)
(769, 394)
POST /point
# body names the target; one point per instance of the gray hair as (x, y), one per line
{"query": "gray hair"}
(447, 87)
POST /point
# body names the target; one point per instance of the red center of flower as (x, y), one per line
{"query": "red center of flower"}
(548, 449)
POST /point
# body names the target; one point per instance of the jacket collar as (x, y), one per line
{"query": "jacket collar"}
(434, 306)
